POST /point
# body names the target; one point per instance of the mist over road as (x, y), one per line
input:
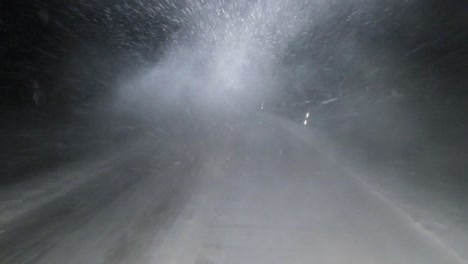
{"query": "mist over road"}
(265, 190)
(218, 131)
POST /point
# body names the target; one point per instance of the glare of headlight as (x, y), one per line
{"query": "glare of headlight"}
(305, 122)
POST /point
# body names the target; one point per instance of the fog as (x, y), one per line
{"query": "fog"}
(219, 131)
(238, 55)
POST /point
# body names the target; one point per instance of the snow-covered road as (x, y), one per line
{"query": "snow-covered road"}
(260, 191)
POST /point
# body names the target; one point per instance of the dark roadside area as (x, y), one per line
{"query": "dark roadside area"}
(45, 159)
(36, 142)
(414, 150)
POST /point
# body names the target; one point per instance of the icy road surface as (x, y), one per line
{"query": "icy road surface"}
(262, 191)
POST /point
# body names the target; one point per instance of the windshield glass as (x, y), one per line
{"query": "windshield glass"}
(224, 131)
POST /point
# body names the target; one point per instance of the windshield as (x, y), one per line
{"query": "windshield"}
(224, 131)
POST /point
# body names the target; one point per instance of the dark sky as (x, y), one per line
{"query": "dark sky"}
(75, 53)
